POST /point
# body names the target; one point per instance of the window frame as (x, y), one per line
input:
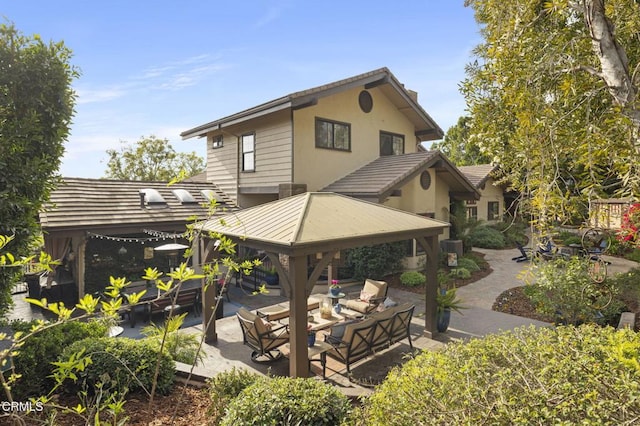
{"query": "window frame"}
(393, 135)
(491, 215)
(217, 142)
(244, 154)
(472, 212)
(333, 123)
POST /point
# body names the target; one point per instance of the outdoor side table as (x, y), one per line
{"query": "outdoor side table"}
(320, 348)
(334, 299)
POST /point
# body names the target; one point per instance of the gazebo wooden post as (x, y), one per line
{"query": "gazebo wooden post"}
(430, 246)
(208, 292)
(298, 358)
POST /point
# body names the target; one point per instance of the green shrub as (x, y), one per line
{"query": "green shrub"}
(287, 401)
(487, 237)
(115, 362)
(412, 279)
(468, 264)
(376, 261)
(460, 274)
(180, 345)
(225, 387)
(633, 255)
(34, 359)
(559, 289)
(564, 375)
(513, 232)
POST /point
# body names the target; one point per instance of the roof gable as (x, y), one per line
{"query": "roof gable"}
(378, 179)
(478, 174)
(426, 127)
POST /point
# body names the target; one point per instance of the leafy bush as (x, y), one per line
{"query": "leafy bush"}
(41, 349)
(487, 237)
(180, 345)
(412, 279)
(460, 273)
(513, 232)
(633, 255)
(226, 386)
(376, 261)
(531, 375)
(560, 287)
(283, 400)
(115, 362)
(468, 264)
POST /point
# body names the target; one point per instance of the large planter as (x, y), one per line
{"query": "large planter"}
(442, 320)
(271, 279)
(335, 291)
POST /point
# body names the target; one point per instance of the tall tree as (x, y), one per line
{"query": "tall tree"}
(459, 148)
(553, 94)
(152, 159)
(36, 108)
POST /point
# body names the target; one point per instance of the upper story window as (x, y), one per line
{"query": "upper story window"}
(493, 210)
(249, 152)
(217, 142)
(333, 135)
(391, 144)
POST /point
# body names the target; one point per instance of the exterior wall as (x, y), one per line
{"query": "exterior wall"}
(415, 199)
(490, 193)
(318, 167)
(273, 159)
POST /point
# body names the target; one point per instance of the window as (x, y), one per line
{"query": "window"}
(493, 212)
(248, 152)
(472, 212)
(333, 135)
(217, 142)
(391, 144)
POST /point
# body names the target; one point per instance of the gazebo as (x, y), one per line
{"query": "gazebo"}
(321, 224)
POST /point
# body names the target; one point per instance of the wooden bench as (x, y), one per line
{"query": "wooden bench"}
(186, 298)
(358, 339)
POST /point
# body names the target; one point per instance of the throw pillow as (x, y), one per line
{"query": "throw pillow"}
(389, 303)
(365, 297)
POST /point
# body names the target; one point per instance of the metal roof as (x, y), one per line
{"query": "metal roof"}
(317, 221)
(382, 77)
(378, 179)
(79, 204)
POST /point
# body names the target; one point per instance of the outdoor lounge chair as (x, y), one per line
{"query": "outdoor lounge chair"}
(261, 336)
(373, 293)
(525, 253)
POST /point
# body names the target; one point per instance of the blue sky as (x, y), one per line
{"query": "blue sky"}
(163, 67)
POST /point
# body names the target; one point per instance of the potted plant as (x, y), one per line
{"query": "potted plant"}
(446, 301)
(334, 288)
(271, 276)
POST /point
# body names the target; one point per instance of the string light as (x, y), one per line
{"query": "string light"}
(130, 239)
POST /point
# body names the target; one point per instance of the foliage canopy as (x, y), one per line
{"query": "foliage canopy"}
(151, 159)
(36, 108)
(552, 94)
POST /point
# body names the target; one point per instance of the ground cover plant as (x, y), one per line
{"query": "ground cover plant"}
(527, 376)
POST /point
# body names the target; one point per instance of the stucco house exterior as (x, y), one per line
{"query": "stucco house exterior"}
(491, 205)
(360, 136)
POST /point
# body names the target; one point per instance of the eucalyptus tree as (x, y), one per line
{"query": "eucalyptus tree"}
(552, 94)
(36, 108)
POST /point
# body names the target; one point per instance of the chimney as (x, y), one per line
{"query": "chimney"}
(413, 94)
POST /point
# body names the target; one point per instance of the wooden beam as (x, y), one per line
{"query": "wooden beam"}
(299, 355)
(430, 247)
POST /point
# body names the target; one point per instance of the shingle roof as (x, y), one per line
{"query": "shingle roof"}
(477, 174)
(385, 174)
(306, 97)
(98, 203)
